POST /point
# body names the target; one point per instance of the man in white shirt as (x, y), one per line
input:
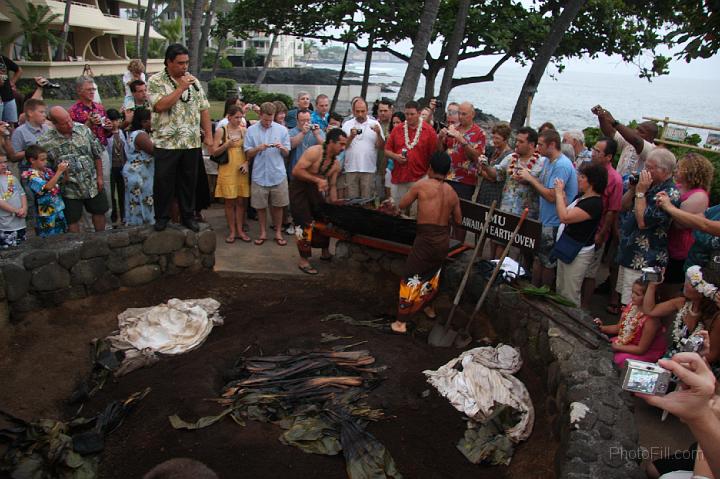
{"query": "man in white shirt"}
(634, 144)
(365, 138)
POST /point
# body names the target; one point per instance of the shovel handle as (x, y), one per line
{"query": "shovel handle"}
(469, 267)
(496, 270)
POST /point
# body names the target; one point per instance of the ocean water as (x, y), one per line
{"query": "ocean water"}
(566, 99)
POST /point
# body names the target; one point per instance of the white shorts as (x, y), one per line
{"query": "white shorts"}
(625, 280)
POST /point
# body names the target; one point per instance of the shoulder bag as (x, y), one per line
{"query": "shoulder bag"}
(223, 157)
(567, 248)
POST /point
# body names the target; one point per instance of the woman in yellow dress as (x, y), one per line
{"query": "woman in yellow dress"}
(233, 183)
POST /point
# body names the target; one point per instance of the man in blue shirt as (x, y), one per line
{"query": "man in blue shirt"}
(303, 136)
(556, 166)
(267, 144)
(321, 115)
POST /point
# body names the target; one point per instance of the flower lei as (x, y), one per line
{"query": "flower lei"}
(680, 329)
(412, 144)
(515, 161)
(695, 277)
(10, 186)
(629, 325)
(322, 161)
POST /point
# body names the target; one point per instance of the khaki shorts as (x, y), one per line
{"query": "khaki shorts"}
(625, 280)
(276, 196)
(359, 185)
(595, 264)
(401, 190)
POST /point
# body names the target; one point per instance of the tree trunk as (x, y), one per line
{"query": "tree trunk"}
(196, 24)
(430, 77)
(205, 34)
(453, 48)
(220, 48)
(340, 78)
(544, 55)
(146, 33)
(268, 58)
(60, 53)
(420, 46)
(368, 62)
(137, 31)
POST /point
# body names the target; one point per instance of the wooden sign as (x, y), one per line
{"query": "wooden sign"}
(502, 226)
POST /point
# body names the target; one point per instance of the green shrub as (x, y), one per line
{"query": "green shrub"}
(252, 94)
(218, 88)
(224, 63)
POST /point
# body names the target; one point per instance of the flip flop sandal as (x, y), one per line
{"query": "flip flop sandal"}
(230, 240)
(280, 242)
(259, 241)
(245, 239)
(308, 270)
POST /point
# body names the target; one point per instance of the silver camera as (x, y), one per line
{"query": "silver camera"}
(693, 344)
(647, 378)
(652, 275)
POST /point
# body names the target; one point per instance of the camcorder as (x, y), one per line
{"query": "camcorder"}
(646, 378)
(651, 275)
(45, 83)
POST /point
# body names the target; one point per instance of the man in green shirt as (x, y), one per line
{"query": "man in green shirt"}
(180, 110)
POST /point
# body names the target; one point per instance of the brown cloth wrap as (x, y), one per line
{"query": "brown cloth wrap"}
(305, 201)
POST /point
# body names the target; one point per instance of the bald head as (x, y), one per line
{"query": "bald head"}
(467, 113)
(61, 120)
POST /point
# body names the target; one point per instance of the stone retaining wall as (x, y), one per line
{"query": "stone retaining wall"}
(576, 376)
(48, 271)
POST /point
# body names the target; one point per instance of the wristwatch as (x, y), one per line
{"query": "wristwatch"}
(639, 195)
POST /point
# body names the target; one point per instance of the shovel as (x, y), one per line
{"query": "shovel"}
(443, 336)
(464, 338)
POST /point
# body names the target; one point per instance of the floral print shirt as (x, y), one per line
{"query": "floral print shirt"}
(706, 247)
(643, 248)
(80, 151)
(517, 196)
(462, 169)
(80, 113)
(179, 127)
(49, 204)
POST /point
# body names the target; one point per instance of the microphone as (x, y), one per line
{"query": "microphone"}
(194, 84)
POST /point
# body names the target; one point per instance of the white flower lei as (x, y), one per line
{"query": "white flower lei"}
(412, 144)
(694, 275)
(680, 329)
(628, 327)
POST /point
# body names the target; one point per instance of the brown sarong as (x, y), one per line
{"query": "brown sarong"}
(420, 283)
(305, 202)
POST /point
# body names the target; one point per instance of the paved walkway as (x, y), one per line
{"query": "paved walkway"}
(268, 259)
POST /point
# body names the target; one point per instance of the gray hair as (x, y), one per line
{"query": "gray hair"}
(576, 135)
(81, 81)
(664, 158)
(568, 151)
(302, 94)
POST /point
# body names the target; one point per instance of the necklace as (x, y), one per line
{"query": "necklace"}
(324, 172)
(680, 329)
(515, 162)
(412, 144)
(10, 186)
(186, 96)
(629, 325)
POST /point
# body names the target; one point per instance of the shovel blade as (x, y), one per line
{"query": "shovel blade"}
(463, 340)
(441, 336)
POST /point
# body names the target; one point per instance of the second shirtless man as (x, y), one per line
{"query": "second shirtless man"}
(437, 205)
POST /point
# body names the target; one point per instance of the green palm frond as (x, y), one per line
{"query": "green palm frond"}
(35, 22)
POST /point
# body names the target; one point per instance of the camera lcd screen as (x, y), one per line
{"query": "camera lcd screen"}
(642, 381)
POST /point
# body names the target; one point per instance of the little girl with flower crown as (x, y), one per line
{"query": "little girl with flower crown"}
(639, 336)
(696, 312)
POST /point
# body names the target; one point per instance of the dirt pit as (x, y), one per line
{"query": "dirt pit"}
(48, 352)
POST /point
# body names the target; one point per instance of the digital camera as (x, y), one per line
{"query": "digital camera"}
(646, 378)
(693, 344)
(314, 126)
(357, 131)
(634, 179)
(651, 275)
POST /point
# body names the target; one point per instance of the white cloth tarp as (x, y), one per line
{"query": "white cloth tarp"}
(176, 327)
(480, 380)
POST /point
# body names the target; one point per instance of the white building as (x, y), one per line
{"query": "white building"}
(287, 49)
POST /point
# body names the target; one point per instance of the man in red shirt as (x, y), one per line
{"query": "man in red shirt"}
(410, 146)
(465, 143)
(602, 154)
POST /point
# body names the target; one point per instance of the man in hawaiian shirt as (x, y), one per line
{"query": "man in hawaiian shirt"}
(82, 187)
(465, 143)
(180, 111)
(576, 139)
(644, 233)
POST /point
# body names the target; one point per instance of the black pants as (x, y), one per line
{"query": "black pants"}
(117, 186)
(175, 176)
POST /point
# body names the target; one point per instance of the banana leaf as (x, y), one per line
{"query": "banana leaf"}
(206, 421)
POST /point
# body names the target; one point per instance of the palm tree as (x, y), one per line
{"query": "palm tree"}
(60, 54)
(146, 33)
(35, 24)
(171, 30)
(195, 29)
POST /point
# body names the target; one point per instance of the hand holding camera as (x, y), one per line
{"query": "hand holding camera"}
(356, 131)
(63, 166)
(653, 275)
(644, 182)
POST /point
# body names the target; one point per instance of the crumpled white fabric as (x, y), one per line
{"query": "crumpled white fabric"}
(486, 381)
(510, 268)
(175, 327)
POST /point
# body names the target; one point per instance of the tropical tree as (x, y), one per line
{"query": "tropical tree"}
(35, 23)
(60, 53)
(171, 30)
(195, 29)
(268, 58)
(146, 33)
(250, 56)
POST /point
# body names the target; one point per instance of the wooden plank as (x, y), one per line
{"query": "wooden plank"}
(667, 120)
(685, 145)
(566, 322)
